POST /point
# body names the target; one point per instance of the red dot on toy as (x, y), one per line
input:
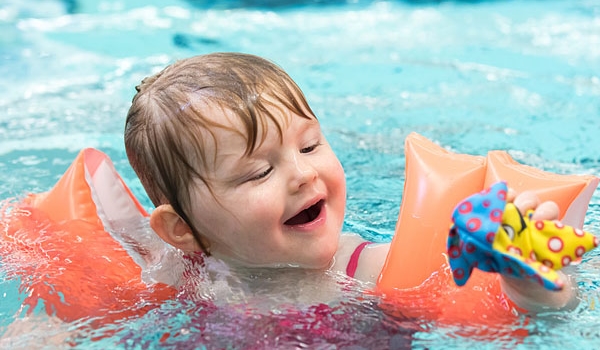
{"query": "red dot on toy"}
(473, 224)
(496, 215)
(470, 248)
(502, 195)
(454, 252)
(539, 225)
(559, 225)
(514, 250)
(465, 207)
(555, 244)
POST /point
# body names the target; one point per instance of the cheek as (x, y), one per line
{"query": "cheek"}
(214, 220)
(341, 177)
(335, 180)
(257, 210)
(336, 177)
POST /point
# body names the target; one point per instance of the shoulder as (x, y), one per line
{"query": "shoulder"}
(347, 245)
(369, 258)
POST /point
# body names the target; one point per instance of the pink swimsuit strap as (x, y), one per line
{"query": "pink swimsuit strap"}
(353, 262)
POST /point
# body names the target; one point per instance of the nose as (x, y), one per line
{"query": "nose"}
(303, 172)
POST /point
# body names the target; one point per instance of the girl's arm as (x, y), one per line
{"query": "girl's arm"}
(526, 294)
(530, 295)
(534, 298)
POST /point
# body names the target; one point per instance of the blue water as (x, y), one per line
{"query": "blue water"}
(521, 76)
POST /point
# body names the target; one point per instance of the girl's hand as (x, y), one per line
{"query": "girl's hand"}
(527, 294)
(529, 200)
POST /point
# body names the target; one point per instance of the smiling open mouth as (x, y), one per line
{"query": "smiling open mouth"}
(307, 215)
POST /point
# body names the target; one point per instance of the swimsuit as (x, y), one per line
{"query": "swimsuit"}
(353, 263)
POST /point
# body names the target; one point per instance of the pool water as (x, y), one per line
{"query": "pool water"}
(521, 76)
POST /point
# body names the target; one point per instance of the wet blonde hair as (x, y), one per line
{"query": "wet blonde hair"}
(165, 125)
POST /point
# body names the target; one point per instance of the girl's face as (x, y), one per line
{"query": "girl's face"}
(283, 205)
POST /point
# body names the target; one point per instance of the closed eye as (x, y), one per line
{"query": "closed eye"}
(310, 148)
(262, 175)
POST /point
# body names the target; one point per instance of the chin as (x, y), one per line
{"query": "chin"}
(324, 261)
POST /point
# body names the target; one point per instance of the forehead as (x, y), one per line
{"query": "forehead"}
(223, 132)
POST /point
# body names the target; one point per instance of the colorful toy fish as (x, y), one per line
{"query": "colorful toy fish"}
(493, 236)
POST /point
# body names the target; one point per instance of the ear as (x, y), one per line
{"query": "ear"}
(172, 229)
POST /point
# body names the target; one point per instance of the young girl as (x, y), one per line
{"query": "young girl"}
(234, 160)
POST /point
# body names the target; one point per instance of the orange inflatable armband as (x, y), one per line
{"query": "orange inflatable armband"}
(61, 248)
(416, 279)
(572, 193)
(436, 180)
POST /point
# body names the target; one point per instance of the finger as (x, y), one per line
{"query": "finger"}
(526, 200)
(546, 211)
(511, 194)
